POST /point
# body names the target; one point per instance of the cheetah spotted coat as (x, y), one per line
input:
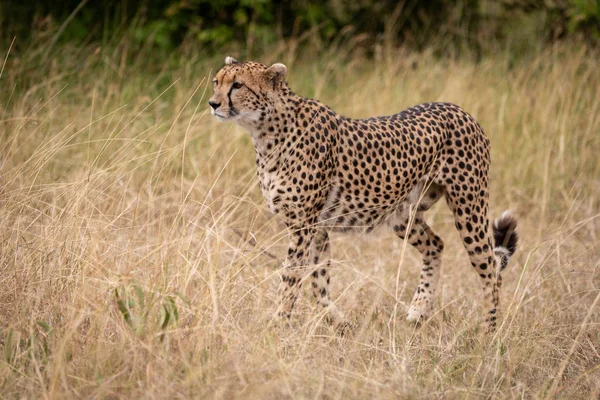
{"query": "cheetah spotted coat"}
(321, 172)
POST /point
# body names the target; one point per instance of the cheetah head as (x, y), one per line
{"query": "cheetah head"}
(246, 92)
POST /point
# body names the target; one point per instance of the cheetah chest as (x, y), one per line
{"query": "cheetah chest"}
(269, 183)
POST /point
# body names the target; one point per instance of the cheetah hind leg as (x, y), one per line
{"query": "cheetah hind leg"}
(418, 234)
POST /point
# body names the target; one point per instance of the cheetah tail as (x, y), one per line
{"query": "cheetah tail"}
(505, 238)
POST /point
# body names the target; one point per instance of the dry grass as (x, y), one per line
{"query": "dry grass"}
(128, 216)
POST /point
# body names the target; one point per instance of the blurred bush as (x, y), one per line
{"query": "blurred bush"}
(215, 23)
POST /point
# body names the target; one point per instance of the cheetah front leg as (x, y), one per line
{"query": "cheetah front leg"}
(320, 278)
(294, 268)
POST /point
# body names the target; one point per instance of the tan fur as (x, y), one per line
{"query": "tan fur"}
(321, 172)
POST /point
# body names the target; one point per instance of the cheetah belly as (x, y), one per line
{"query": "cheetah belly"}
(345, 211)
(361, 203)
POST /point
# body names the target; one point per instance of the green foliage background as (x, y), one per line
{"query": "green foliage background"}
(213, 24)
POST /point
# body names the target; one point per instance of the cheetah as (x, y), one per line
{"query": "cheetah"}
(321, 172)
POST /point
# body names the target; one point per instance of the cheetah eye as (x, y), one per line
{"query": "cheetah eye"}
(237, 85)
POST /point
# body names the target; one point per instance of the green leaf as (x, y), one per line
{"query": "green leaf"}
(140, 295)
(123, 308)
(164, 316)
(9, 347)
(47, 328)
(170, 302)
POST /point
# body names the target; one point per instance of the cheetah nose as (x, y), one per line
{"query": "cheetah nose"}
(214, 104)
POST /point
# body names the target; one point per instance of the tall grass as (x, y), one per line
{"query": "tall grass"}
(138, 259)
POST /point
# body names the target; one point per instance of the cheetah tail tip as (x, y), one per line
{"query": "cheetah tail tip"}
(505, 234)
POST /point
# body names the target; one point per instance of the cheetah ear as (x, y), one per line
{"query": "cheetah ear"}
(275, 74)
(230, 60)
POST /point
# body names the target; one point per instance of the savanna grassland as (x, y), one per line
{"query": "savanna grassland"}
(138, 259)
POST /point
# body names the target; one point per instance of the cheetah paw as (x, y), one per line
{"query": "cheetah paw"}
(344, 328)
(415, 315)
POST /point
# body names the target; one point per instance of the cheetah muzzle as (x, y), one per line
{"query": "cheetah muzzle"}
(321, 172)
